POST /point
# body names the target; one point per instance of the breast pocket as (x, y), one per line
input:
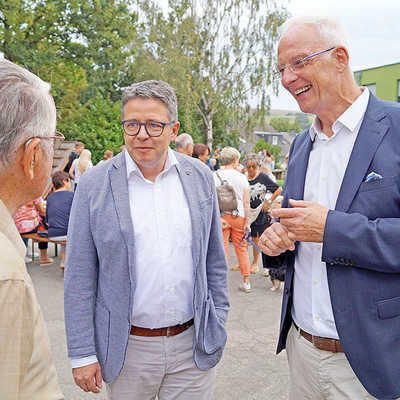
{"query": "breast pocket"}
(379, 199)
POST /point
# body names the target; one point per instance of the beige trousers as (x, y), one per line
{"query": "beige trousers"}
(320, 375)
(162, 368)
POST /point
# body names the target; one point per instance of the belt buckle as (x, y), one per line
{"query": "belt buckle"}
(168, 332)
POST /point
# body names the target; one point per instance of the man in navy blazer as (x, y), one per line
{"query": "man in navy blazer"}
(146, 296)
(339, 225)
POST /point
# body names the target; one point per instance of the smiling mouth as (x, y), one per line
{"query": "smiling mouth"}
(302, 90)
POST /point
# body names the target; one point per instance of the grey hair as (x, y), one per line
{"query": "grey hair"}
(228, 155)
(329, 29)
(153, 89)
(253, 157)
(26, 109)
(183, 140)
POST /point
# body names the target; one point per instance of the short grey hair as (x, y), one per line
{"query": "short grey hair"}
(26, 109)
(228, 155)
(183, 140)
(254, 158)
(329, 29)
(153, 89)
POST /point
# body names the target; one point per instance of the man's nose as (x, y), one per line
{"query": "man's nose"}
(288, 77)
(142, 134)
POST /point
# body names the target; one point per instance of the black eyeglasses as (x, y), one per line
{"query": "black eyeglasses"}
(57, 138)
(152, 128)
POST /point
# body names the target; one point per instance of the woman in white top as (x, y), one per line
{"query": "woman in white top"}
(235, 223)
(80, 165)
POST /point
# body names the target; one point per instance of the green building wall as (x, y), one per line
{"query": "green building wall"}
(386, 78)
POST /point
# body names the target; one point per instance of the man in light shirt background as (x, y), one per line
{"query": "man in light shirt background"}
(184, 144)
(146, 296)
(340, 225)
(27, 140)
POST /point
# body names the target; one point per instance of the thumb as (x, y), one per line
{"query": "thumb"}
(299, 203)
(98, 377)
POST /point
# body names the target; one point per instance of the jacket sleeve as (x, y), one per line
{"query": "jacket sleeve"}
(80, 281)
(354, 240)
(217, 269)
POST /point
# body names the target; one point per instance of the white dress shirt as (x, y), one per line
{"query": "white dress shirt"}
(162, 229)
(312, 307)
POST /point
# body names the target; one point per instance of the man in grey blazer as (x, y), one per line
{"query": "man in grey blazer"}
(340, 222)
(146, 296)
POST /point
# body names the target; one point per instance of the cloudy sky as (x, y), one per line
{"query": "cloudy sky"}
(373, 29)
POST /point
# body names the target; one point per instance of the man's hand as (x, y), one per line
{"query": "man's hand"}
(88, 378)
(276, 239)
(306, 220)
(225, 224)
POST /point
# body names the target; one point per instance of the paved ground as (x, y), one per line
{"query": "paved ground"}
(249, 370)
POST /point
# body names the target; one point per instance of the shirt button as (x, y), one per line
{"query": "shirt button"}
(315, 282)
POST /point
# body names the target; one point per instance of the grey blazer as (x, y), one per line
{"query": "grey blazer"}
(100, 266)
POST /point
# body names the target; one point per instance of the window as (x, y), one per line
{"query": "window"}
(398, 91)
(274, 140)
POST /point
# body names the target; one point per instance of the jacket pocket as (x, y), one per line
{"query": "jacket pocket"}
(214, 334)
(102, 332)
(389, 308)
(379, 184)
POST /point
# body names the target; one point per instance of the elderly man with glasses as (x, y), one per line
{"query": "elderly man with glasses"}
(146, 296)
(27, 126)
(340, 225)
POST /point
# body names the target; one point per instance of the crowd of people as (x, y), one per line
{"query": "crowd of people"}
(146, 266)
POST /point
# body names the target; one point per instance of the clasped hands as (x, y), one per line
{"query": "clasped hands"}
(304, 222)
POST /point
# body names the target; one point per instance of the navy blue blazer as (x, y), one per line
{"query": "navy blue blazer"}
(361, 249)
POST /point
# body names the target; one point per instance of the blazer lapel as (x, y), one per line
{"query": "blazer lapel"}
(185, 172)
(370, 135)
(300, 164)
(119, 188)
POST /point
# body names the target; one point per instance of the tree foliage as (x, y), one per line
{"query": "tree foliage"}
(217, 53)
(285, 125)
(274, 149)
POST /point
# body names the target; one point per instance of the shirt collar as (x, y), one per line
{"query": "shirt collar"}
(8, 228)
(350, 119)
(131, 166)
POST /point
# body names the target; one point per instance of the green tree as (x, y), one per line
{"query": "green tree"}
(285, 125)
(216, 53)
(274, 149)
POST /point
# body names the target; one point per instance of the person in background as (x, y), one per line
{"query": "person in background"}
(107, 155)
(79, 146)
(260, 186)
(266, 170)
(235, 223)
(184, 144)
(146, 296)
(339, 224)
(80, 165)
(27, 140)
(58, 208)
(28, 219)
(202, 152)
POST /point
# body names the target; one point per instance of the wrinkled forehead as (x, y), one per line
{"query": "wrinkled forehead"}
(299, 41)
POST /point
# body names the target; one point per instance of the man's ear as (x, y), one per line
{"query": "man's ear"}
(30, 157)
(175, 130)
(342, 57)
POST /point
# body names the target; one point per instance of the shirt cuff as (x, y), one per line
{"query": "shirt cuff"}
(82, 362)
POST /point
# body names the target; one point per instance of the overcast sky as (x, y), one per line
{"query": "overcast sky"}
(373, 29)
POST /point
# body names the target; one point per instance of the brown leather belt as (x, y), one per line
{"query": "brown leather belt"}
(168, 331)
(327, 344)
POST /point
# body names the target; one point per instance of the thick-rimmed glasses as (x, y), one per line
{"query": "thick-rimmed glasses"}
(297, 65)
(57, 138)
(152, 128)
